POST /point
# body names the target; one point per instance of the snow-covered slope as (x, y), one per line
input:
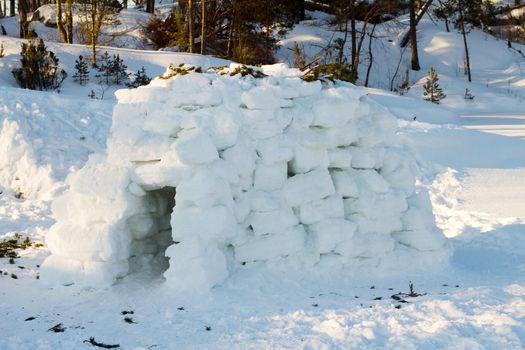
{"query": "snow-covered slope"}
(498, 72)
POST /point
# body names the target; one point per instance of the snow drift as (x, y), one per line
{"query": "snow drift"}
(206, 173)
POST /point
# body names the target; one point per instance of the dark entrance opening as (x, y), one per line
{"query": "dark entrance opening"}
(151, 232)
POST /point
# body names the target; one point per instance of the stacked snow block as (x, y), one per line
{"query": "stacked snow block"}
(276, 170)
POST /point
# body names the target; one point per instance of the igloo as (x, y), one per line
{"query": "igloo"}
(206, 173)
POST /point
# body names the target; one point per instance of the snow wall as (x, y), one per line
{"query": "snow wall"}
(206, 174)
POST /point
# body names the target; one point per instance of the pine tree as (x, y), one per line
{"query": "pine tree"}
(433, 92)
(112, 70)
(39, 68)
(118, 70)
(140, 79)
(104, 68)
(82, 71)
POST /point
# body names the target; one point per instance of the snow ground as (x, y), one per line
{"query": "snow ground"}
(476, 184)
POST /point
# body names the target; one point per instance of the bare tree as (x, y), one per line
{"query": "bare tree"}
(92, 17)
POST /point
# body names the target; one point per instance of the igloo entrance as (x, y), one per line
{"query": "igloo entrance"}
(151, 233)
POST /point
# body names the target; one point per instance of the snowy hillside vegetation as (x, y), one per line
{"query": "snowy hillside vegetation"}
(497, 70)
(219, 172)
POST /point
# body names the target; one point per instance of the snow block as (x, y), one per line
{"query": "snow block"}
(327, 234)
(264, 97)
(272, 221)
(194, 147)
(307, 158)
(272, 246)
(330, 207)
(195, 267)
(308, 187)
(208, 224)
(270, 177)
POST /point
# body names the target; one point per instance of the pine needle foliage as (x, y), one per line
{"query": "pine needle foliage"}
(181, 69)
(39, 68)
(433, 92)
(104, 68)
(118, 70)
(112, 70)
(329, 73)
(82, 71)
(9, 247)
(241, 70)
(245, 71)
(140, 79)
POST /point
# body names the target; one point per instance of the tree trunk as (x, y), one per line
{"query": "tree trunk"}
(267, 38)
(11, 8)
(414, 59)
(301, 11)
(370, 56)
(203, 27)
(406, 38)
(298, 11)
(353, 32)
(359, 47)
(341, 54)
(69, 22)
(150, 6)
(93, 33)
(125, 4)
(190, 26)
(22, 13)
(33, 5)
(60, 23)
(464, 34)
(230, 35)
